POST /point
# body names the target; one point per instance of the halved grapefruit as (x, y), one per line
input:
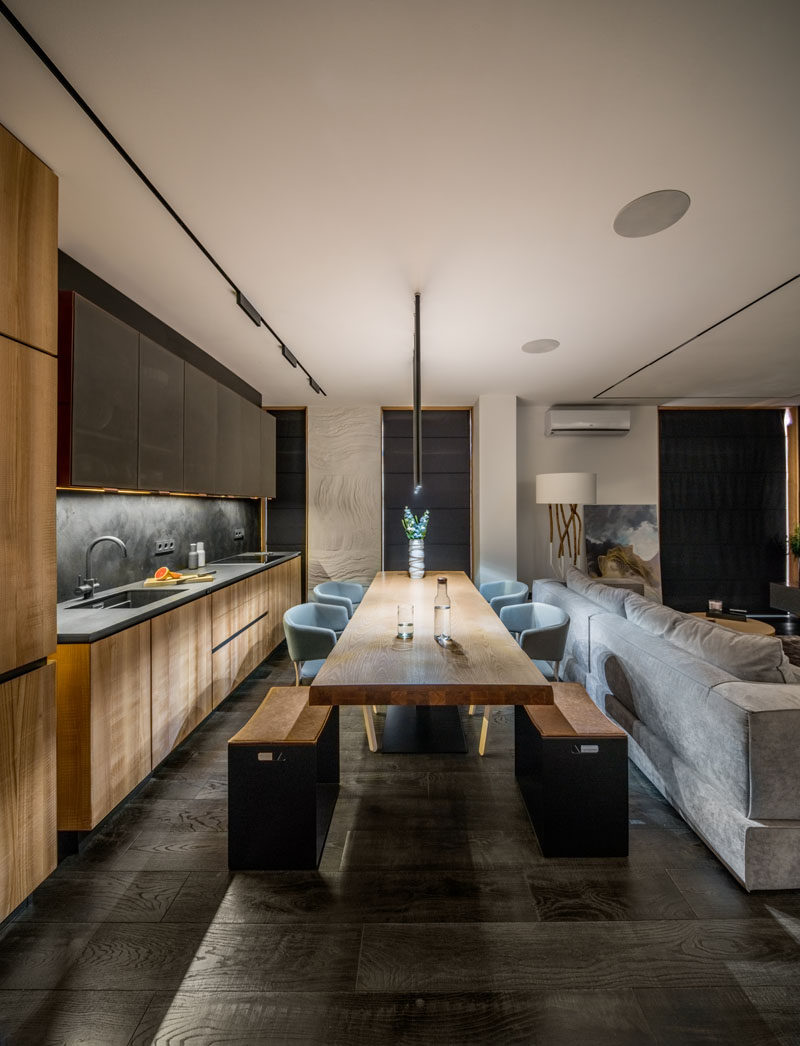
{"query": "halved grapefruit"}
(161, 573)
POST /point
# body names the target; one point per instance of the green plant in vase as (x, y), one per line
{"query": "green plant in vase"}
(794, 542)
(416, 527)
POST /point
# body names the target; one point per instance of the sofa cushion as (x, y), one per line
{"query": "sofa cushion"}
(611, 599)
(755, 659)
(742, 737)
(576, 660)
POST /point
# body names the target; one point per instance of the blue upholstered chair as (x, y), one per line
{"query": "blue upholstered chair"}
(541, 630)
(347, 594)
(311, 631)
(499, 594)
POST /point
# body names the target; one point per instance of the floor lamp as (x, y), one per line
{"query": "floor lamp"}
(563, 492)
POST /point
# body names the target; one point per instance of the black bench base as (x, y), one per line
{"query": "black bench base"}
(575, 790)
(281, 799)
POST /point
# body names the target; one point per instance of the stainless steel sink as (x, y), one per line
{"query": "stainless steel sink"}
(129, 599)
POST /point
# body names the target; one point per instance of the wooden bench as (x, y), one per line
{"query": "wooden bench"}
(571, 764)
(283, 782)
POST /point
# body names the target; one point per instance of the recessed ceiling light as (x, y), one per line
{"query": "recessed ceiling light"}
(542, 345)
(651, 213)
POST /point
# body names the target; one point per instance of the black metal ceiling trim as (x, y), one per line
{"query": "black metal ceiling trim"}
(694, 337)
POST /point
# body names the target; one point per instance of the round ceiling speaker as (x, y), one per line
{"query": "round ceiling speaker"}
(542, 345)
(651, 213)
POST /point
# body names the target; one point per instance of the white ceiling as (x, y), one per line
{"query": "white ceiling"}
(336, 157)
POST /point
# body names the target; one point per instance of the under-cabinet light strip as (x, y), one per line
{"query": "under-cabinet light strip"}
(50, 65)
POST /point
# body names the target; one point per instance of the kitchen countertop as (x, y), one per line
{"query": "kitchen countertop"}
(90, 624)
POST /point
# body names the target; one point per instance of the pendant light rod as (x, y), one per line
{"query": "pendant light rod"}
(416, 417)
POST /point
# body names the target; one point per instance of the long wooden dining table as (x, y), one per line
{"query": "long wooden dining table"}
(421, 681)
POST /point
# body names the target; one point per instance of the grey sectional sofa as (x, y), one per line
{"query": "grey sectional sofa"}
(713, 718)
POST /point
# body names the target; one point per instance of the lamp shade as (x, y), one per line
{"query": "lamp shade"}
(566, 488)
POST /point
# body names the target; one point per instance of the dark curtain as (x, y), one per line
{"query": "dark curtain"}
(722, 510)
(446, 488)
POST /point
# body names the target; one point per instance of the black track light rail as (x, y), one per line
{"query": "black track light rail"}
(52, 68)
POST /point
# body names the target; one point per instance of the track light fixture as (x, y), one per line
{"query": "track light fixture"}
(288, 356)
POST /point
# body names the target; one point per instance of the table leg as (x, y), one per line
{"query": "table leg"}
(432, 729)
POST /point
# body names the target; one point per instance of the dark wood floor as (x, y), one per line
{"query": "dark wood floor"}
(433, 919)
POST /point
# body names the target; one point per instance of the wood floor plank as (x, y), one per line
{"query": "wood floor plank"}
(105, 897)
(704, 1017)
(36, 955)
(778, 1007)
(623, 894)
(367, 1019)
(234, 958)
(70, 1018)
(310, 897)
(612, 955)
(444, 847)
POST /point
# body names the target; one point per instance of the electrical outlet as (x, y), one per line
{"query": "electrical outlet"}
(164, 546)
(238, 534)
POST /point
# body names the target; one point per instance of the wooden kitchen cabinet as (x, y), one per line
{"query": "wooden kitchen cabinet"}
(161, 395)
(103, 724)
(28, 247)
(27, 784)
(239, 632)
(98, 397)
(180, 674)
(27, 505)
(284, 592)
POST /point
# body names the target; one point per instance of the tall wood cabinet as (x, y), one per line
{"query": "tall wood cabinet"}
(27, 505)
(28, 247)
(28, 345)
(27, 784)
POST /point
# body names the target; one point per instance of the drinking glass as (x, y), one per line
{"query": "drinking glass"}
(405, 621)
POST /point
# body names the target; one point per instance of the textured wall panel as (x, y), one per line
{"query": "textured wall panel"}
(344, 493)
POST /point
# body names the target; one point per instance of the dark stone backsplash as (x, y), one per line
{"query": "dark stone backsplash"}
(140, 520)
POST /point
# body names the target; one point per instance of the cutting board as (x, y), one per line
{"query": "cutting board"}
(151, 582)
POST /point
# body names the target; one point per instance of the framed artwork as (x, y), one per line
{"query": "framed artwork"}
(622, 542)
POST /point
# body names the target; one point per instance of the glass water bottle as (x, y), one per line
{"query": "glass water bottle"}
(441, 612)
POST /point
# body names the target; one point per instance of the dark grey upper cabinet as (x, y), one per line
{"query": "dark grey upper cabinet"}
(267, 484)
(250, 450)
(199, 432)
(229, 442)
(132, 415)
(160, 417)
(99, 378)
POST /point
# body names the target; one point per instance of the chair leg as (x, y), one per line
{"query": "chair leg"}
(484, 730)
(369, 726)
(296, 673)
(556, 665)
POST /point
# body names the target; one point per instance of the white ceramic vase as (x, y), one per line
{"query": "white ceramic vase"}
(416, 558)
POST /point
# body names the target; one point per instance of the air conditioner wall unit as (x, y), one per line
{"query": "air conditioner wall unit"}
(586, 421)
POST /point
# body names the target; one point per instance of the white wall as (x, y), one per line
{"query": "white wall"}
(495, 487)
(626, 467)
